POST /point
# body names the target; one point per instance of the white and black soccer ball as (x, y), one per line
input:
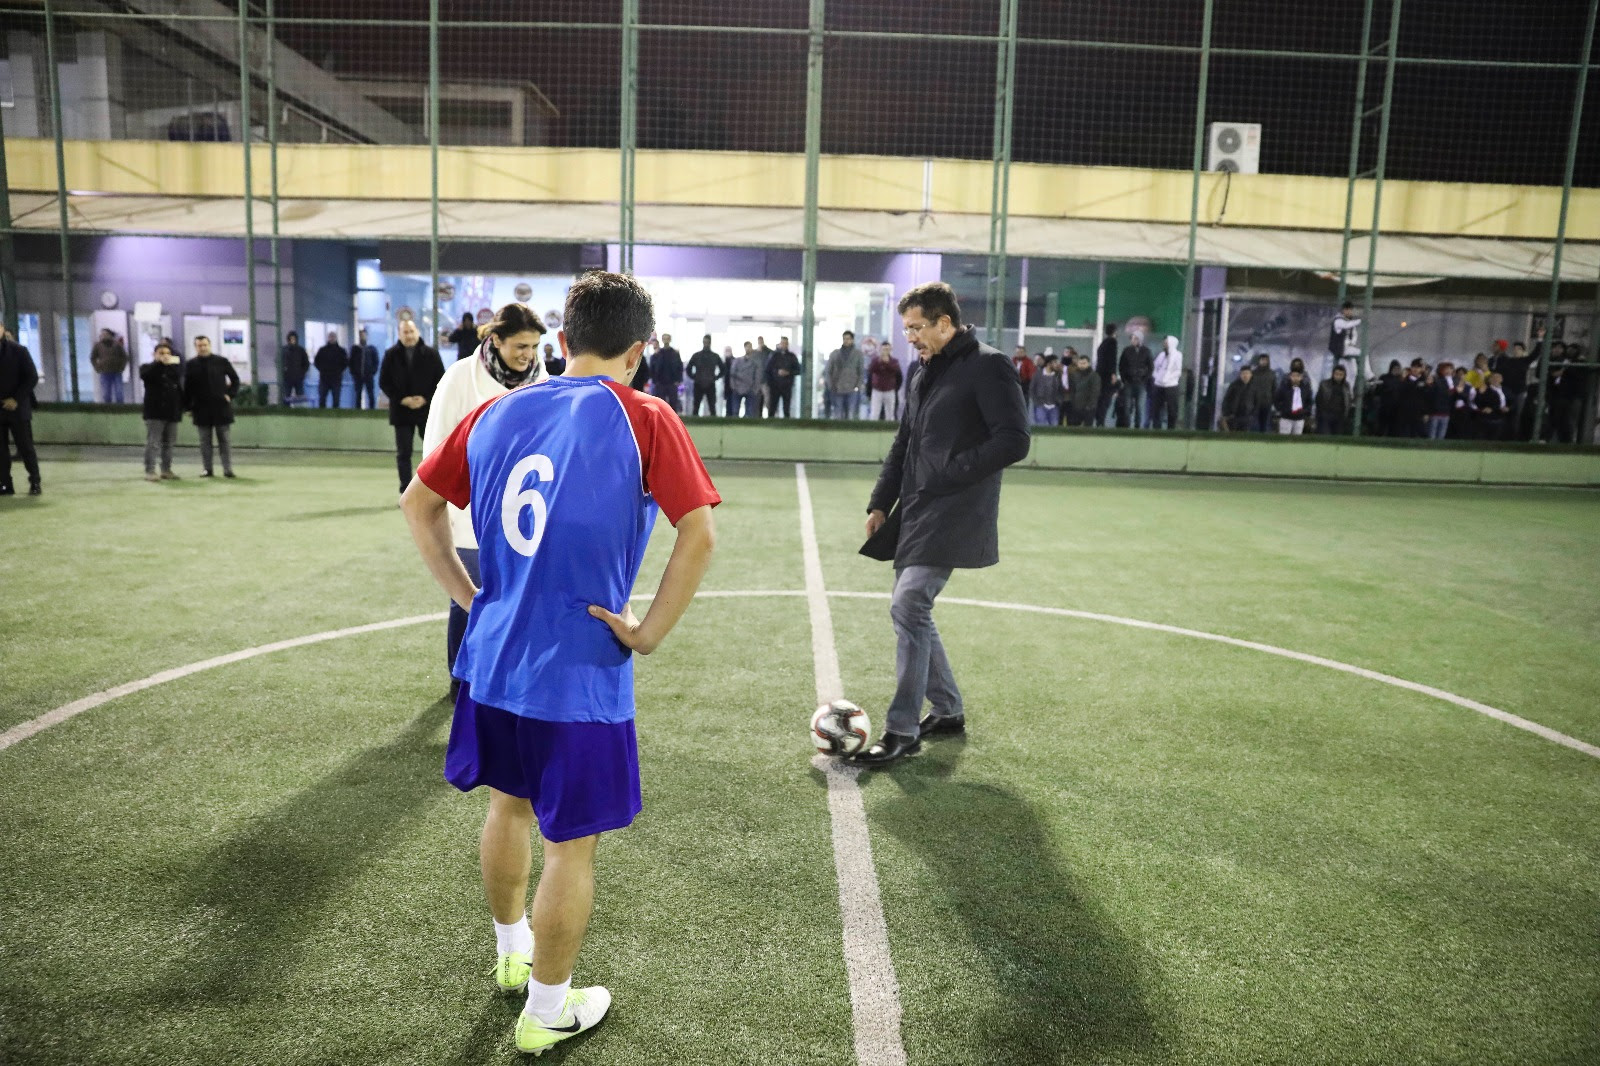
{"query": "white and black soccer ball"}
(840, 728)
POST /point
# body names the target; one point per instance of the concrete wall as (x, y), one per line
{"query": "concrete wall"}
(1119, 451)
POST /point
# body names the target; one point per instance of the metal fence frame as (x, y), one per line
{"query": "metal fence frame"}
(253, 25)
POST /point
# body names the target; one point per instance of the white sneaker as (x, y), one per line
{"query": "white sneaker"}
(582, 1011)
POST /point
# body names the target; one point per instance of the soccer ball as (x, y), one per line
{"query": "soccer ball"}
(840, 728)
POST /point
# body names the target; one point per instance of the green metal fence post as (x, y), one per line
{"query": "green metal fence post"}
(433, 167)
(272, 156)
(1186, 330)
(245, 143)
(810, 358)
(8, 251)
(628, 133)
(1000, 185)
(61, 194)
(1356, 126)
(1377, 211)
(1542, 400)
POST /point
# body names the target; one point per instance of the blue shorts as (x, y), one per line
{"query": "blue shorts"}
(582, 777)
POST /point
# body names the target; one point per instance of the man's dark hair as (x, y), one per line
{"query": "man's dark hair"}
(1348, 306)
(607, 314)
(293, 336)
(848, 333)
(202, 337)
(1111, 329)
(1339, 369)
(935, 300)
(512, 319)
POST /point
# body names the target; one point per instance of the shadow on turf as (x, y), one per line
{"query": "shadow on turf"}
(1059, 982)
(250, 902)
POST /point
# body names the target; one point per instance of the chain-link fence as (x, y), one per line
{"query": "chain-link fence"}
(688, 99)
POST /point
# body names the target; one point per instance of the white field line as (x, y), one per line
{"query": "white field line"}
(1271, 649)
(27, 729)
(874, 991)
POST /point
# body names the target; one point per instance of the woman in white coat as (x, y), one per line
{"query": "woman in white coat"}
(508, 356)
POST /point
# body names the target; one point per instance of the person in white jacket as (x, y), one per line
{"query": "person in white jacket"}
(1164, 381)
(508, 356)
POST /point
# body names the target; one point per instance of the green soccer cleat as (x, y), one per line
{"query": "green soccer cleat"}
(512, 970)
(581, 1012)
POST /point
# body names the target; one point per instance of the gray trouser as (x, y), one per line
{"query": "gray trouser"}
(159, 436)
(921, 669)
(205, 447)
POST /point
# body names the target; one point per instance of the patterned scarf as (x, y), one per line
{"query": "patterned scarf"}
(498, 369)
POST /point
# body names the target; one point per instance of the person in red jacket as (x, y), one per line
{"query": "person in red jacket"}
(884, 377)
(1025, 367)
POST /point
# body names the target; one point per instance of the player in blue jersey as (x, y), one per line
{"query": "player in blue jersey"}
(563, 480)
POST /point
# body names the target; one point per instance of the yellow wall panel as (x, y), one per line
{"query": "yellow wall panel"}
(748, 179)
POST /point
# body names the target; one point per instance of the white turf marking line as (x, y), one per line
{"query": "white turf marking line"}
(874, 991)
(1316, 660)
(18, 733)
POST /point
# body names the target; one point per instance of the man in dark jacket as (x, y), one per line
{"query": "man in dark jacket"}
(965, 422)
(296, 363)
(209, 385)
(163, 410)
(410, 374)
(783, 367)
(1083, 394)
(1134, 368)
(330, 362)
(364, 370)
(705, 369)
(1412, 405)
(1239, 403)
(1264, 386)
(1105, 365)
(666, 372)
(18, 376)
(1293, 402)
(1441, 401)
(1333, 405)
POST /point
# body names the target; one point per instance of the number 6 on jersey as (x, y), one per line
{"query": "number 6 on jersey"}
(516, 498)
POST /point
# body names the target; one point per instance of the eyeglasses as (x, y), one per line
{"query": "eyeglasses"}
(913, 332)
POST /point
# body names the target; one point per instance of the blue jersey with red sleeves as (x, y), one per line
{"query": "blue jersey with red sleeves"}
(563, 480)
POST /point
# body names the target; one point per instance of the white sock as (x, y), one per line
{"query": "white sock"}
(516, 937)
(545, 1001)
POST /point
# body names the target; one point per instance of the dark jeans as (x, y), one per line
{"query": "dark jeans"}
(1135, 395)
(1163, 400)
(728, 402)
(22, 433)
(776, 395)
(707, 393)
(372, 396)
(403, 435)
(457, 626)
(293, 390)
(326, 388)
(1332, 425)
(922, 671)
(159, 437)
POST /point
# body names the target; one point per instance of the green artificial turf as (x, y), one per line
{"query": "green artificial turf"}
(1149, 849)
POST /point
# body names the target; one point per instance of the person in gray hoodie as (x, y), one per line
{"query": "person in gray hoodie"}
(846, 371)
(1045, 392)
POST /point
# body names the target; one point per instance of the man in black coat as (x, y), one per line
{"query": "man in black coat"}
(364, 370)
(705, 368)
(1135, 368)
(410, 374)
(783, 368)
(18, 376)
(937, 502)
(1105, 365)
(331, 362)
(209, 385)
(666, 372)
(296, 363)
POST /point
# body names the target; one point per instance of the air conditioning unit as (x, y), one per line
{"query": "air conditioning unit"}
(1234, 146)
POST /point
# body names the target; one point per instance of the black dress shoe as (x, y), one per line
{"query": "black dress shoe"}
(35, 489)
(893, 746)
(943, 725)
(8, 489)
